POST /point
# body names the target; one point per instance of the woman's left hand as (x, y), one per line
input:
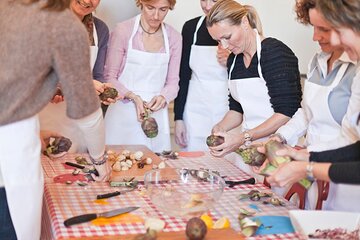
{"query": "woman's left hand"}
(45, 138)
(231, 143)
(104, 171)
(158, 102)
(288, 173)
(100, 88)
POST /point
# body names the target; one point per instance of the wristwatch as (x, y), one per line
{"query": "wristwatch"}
(247, 138)
(309, 171)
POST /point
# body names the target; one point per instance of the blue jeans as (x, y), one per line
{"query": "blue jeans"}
(7, 231)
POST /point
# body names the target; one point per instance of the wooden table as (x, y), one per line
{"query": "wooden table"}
(62, 201)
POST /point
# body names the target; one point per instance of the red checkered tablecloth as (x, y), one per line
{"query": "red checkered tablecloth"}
(62, 201)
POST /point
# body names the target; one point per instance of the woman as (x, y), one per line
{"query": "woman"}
(203, 95)
(327, 91)
(53, 117)
(264, 79)
(143, 64)
(33, 62)
(343, 164)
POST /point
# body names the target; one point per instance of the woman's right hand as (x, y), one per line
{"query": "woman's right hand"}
(140, 108)
(180, 133)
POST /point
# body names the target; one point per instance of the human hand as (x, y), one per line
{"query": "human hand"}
(104, 171)
(222, 55)
(58, 97)
(45, 138)
(157, 102)
(300, 155)
(180, 133)
(288, 173)
(110, 100)
(232, 141)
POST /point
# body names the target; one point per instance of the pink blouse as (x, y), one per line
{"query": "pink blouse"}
(117, 53)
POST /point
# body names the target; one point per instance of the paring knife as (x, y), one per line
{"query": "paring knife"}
(113, 194)
(234, 183)
(92, 216)
(82, 167)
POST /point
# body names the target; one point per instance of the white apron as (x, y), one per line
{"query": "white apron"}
(144, 74)
(253, 95)
(53, 117)
(23, 176)
(322, 127)
(207, 99)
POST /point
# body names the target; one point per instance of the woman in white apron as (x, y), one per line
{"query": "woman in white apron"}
(20, 166)
(326, 96)
(341, 170)
(143, 64)
(264, 79)
(203, 95)
(53, 117)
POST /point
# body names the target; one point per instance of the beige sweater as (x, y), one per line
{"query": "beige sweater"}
(38, 50)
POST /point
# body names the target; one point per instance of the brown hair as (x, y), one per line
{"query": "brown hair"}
(233, 12)
(341, 13)
(302, 8)
(53, 5)
(171, 2)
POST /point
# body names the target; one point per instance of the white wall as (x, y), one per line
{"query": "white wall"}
(278, 19)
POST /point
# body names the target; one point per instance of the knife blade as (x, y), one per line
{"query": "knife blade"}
(91, 216)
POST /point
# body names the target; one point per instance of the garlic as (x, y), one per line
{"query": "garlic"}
(123, 164)
(125, 168)
(138, 155)
(126, 153)
(132, 156)
(109, 152)
(121, 157)
(148, 161)
(154, 224)
(117, 166)
(162, 165)
(129, 163)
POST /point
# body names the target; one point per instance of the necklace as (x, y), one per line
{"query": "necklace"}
(150, 33)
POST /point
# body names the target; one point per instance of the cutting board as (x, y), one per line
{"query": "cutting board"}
(134, 171)
(213, 234)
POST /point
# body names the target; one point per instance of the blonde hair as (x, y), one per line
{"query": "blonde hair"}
(233, 12)
(139, 3)
(341, 13)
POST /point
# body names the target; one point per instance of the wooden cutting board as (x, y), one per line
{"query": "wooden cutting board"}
(213, 234)
(134, 171)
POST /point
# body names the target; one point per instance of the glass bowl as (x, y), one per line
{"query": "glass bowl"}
(183, 192)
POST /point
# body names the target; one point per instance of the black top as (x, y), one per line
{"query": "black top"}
(280, 70)
(203, 39)
(345, 167)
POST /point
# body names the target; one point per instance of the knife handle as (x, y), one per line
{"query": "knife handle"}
(234, 183)
(108, 195)
(80, 219)
(75, 165)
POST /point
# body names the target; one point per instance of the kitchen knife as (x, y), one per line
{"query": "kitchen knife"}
(234, 183)
(92, 216)
(82, 167)
(113, 194)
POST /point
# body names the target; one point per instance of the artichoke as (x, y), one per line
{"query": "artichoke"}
(149, 124)
(213, 141)
(58, 146)
(251, 155)
(108, 93)
(271, 147)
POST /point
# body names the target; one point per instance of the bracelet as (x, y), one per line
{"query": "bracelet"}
(309, 171)
(104, 159)
(247, 138)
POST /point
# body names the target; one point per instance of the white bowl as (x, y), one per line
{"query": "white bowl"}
(307, 222)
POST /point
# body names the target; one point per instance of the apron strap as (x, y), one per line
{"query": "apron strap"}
(95, 34)
(258, 52)
(136, 26)
(201, 20)
(339, 75)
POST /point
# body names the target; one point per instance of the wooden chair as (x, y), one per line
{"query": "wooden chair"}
(300, 191)
(323, 192)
